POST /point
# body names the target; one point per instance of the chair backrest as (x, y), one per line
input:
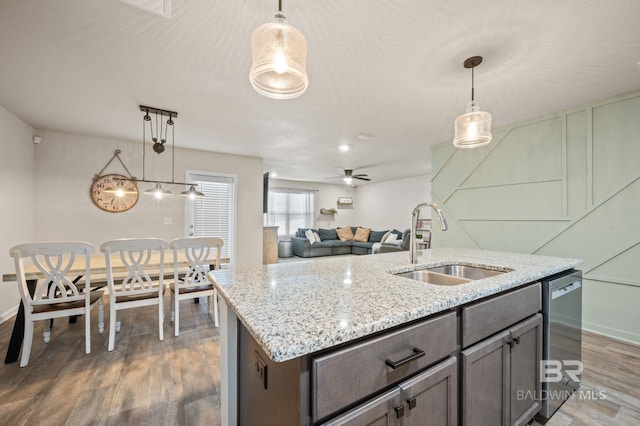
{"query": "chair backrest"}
(53, 260)
(139, 256)
(198, 252)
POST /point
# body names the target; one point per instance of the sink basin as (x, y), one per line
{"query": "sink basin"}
(450, 274)
(433, 278)
(462, 271)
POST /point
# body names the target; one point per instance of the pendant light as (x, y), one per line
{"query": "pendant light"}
(472, 129)
(279, 53)
(192, 193)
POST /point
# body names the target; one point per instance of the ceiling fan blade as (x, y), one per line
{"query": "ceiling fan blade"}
(360, 177)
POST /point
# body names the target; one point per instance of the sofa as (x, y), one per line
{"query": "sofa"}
(330, 244)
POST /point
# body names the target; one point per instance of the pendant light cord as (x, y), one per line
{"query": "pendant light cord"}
(144, 142)
(279, 5)
(472, 68)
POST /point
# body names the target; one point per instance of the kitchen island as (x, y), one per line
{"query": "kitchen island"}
(295, 310)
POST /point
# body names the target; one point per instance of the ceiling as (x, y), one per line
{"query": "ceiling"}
(392, 70)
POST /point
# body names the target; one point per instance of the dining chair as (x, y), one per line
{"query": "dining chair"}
(55, 295)
(191, 281)
(142, 258)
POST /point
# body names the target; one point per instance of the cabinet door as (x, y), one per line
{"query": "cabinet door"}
(526, 352)
(485, 382)
(384, 410)
(431, 397)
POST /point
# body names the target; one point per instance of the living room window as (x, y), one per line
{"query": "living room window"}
(290, 209)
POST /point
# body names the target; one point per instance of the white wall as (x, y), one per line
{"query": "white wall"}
(326, 196)
(16, 187)
(66, 164)
(388, 205)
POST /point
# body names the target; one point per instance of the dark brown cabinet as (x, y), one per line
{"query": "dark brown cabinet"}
(477, 365)
(500, 376)
(427, 399)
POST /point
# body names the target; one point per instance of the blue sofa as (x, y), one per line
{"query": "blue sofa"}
(330, 244)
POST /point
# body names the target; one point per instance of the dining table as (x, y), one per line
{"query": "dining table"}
(98, 271)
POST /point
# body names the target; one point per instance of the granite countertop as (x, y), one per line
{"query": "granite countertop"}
(294, 309)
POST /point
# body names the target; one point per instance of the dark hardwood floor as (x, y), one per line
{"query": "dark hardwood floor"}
(143, 381)
(177, 381)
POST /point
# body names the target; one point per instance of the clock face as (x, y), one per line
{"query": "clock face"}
(114, 193)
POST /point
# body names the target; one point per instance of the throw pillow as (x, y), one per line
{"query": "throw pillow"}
(385, 236)
(392, 238)
(362, 235)
(345, 234)
(309, 234)
(316, 237)
(327, 234)
(376, 236)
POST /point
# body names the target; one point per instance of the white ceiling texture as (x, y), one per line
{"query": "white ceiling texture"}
(389, 69)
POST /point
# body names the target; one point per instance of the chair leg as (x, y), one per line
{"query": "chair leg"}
(47, 330)
(87, 330)
(173, 302)
(100, 316)
(176, 320)
(26, 343)
(160, 318)
(215, 308)
(112, 326)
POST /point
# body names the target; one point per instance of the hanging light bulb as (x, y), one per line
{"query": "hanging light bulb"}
(192, 193)
(279, 53)
(472, 129)
(158, 191)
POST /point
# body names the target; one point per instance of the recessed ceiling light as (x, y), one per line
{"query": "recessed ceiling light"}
(273, 174)
(363, 137)
(344, 147)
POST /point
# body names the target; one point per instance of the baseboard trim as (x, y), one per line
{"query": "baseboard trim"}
(7, 315)
(613, 333)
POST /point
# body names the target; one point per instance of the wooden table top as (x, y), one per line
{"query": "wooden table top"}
(98, 266)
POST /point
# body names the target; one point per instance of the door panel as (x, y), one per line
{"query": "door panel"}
(485, 369)
(526, 353)
(431, 398)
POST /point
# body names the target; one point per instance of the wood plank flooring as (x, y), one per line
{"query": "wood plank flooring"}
(177, 381)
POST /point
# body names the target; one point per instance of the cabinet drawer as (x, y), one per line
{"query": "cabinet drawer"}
(350, 374)
(483, 319)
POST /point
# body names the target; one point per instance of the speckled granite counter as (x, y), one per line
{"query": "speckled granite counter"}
(294, 309)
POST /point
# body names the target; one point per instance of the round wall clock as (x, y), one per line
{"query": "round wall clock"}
(114, 193)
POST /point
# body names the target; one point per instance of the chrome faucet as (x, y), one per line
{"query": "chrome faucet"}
(414, 221)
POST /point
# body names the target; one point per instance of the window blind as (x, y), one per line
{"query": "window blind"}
(213, 213)
(290, 209)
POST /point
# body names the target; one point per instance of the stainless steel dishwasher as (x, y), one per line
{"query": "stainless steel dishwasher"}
(562, 340)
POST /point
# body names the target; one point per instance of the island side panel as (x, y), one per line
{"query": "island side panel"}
(271, 393)
(228, 365)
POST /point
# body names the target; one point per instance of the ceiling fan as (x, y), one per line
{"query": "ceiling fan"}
(349, 176)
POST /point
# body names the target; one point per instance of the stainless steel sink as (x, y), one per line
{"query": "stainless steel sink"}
(450, 274)
(463, 271)
(433, 278)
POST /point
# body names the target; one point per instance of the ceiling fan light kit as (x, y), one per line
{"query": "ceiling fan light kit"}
(349, 176)
(279, 59)
(472, 129)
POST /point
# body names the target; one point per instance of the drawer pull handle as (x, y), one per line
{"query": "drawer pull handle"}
(411, 403)
(417, 353)
(399, 411)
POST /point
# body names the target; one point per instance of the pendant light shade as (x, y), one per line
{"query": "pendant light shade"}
(158, 191)
(472, 129)
(192, 193)
(279, 53)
